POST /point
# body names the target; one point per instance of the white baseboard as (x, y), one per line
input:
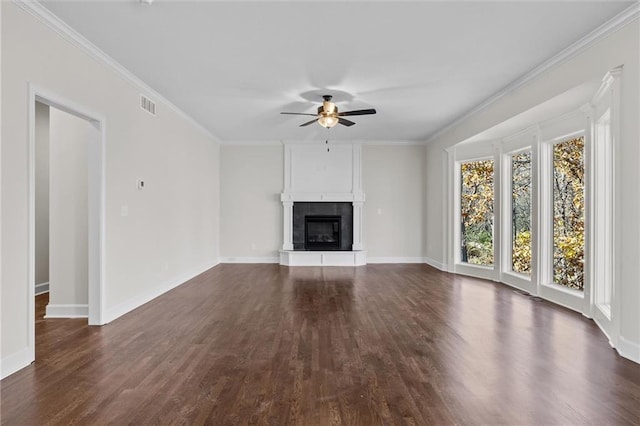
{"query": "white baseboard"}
(67, 311)
(137, 301)
(396, 260)
(628, 349)
(42, 288)
(14, 362)
(438, 265)
(249, 260)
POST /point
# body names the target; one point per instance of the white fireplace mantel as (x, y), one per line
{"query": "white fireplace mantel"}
(321, 173)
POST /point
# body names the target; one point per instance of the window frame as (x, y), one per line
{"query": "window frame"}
(480, 152)
(519, 145)
(568, 126)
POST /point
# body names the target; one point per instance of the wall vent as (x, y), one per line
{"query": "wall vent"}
(147, 105)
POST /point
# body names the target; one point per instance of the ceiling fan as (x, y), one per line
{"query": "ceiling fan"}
(328, 115)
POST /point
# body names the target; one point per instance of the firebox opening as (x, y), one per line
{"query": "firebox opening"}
(322, 232)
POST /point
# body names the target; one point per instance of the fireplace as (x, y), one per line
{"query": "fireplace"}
(322, 226)
(322, 232)
(322, 202)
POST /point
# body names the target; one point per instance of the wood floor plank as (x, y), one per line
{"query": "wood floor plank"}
(380, 344)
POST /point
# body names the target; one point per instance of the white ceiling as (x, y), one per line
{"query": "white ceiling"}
(233, 66)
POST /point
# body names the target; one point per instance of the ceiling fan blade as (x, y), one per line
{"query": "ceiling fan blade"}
(309, 122)
(298, 113)
(345, 122)
(357, 112)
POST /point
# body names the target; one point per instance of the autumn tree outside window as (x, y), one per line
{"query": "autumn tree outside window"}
(521, 181)
(568, 213)
(476, 212)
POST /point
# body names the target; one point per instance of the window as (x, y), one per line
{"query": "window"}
(557, 204)
(476, 212)
(521, 213)
(568, 213)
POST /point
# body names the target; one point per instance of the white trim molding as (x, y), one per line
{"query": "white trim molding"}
(393, 259)
(45, 16)
(97, 202)
(137, 301)
(67, 311)
(42, 288)
(628, 349)
(625, 17)
(441, 266)
(14, 362)
(249, 260)
(269, 142)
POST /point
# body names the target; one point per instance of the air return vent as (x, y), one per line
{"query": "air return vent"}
(147, 105)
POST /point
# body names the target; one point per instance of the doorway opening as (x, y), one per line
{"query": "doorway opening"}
(66, 209)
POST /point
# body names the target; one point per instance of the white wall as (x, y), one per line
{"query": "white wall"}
(251, 211)
(619, 48)
(321, 168)
(172, 228)
(394, 184)
(69, 138)
(42, 195)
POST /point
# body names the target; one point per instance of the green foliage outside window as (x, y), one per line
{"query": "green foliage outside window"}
(568, 213)
(476, 211)
(521, 212)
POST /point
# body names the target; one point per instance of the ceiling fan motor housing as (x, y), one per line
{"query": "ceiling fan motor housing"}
(327, 108)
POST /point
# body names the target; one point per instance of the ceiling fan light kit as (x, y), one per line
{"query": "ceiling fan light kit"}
(327, 121)
(328, 115)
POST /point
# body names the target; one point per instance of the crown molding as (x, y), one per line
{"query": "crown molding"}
(619, 21)
(256, 142)
(392, 143)
(259, 142)
(44, 15)
(381, 142)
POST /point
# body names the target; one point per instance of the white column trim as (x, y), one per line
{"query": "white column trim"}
(498, 248)
(287, 225)
(358, 243)
(450, 214)
(357, 169)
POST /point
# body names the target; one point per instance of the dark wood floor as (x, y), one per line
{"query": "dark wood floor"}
(381, 344)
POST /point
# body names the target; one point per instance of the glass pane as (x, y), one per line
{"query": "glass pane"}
(568, 213)
(521, 213)
(477, 212)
